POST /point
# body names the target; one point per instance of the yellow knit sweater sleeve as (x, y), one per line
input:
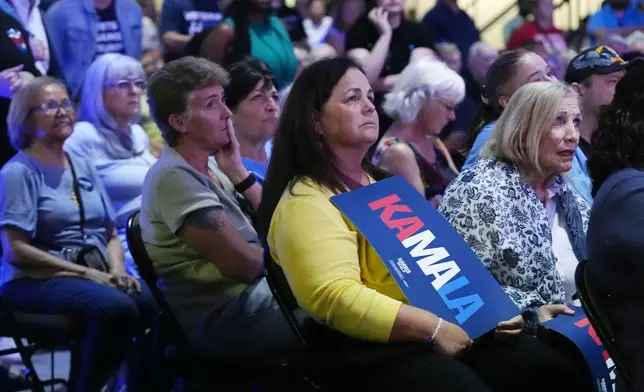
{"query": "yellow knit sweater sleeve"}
(321, 259)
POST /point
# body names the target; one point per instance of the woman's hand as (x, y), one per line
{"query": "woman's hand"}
(229, 158)
(380, 18)
(99, 277)
(436, 201)
(451, 340)
(509, 331)
(127, 283)
(548, 312)
(8, 79)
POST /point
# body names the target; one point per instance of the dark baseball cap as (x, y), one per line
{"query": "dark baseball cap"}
(600, 60)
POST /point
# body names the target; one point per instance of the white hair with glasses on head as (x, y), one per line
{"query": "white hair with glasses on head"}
(421, 81)
(109, 70)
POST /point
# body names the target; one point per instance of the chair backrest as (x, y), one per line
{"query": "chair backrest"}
(283, 294)
(146, 270)
(596, 304)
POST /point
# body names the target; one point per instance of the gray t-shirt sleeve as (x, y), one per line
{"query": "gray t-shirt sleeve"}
(18, 198)
(180, 192)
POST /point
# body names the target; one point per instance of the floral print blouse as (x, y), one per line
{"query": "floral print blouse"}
(506, 225)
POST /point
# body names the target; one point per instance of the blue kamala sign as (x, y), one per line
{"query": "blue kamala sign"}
(578, 329)
(434, 267)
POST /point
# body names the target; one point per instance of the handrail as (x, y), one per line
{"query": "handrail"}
(508, 9)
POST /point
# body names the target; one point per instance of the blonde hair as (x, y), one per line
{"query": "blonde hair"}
(531, 112)
(22, 103)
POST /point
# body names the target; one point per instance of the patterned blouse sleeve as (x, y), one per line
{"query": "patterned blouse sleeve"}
(584, 210)
(477, 216)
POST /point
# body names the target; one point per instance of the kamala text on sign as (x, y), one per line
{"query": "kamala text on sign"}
(432, 264)
(430, 260)
(577, 328)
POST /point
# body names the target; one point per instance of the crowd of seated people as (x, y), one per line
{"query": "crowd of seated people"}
(340, 281)
(230, 125)
(61, 250)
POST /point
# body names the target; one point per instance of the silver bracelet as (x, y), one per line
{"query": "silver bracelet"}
(438, 328)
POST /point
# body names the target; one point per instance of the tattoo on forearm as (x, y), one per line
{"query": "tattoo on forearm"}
(206, 218)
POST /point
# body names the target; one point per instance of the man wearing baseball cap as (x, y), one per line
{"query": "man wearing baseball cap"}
(593, 73)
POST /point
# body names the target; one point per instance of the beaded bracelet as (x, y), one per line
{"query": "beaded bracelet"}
(438, 327)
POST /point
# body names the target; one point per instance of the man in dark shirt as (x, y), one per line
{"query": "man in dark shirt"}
(17, 61)
(385, 42)
(446, 22)
(182, 19)
(594, 73)
(108, 33)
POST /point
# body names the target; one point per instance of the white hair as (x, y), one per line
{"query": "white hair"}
(108, 68)
(421, 81)
(320, 52)
(476, 50)
(635, 38)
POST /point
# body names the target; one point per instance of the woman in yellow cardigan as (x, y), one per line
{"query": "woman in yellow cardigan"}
(328, 124)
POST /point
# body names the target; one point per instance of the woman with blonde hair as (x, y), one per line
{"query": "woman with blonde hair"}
(422, 103)
(515, 209)
(108, 135)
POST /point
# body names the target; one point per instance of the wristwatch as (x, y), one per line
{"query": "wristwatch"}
(246, 183)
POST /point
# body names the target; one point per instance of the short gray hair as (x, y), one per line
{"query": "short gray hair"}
(170, 90)
(530, 113)
(419, 82)
(22, 103)
(108, 68)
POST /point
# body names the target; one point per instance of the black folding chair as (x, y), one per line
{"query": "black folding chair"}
(179, 358)
(283, 295)
(42, 332)
(596, 304)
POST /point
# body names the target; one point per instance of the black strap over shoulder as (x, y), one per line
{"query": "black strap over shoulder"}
(79, 198)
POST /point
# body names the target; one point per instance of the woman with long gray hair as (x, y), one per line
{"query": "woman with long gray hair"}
(108, 135)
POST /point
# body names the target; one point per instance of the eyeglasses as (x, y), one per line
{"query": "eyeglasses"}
(51, 108)
(124, 85)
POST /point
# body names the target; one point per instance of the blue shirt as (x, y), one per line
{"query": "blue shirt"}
(445, 25)
(577, 177)
(39, 200)
(122, 178)
(257, 168)
(189, 17)
(606, 18)
(480, 141)
(72, 27)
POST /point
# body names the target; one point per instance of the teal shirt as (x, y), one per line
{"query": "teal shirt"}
(270, 43)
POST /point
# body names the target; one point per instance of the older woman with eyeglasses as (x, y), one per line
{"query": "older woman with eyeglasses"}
(421, 103)
(61, 252)
(107, 135)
